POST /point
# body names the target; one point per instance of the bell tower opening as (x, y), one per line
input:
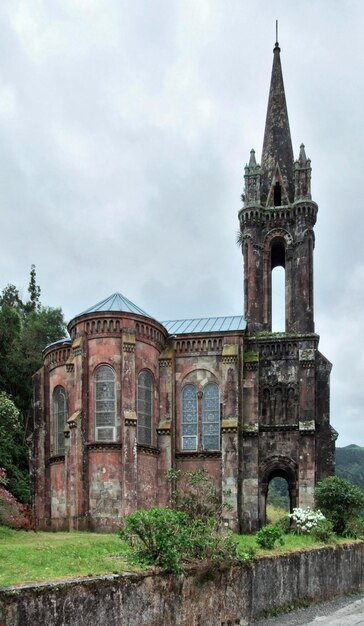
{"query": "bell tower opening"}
(277, 194)
(278, 287)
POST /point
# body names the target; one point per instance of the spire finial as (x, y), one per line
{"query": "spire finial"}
(276, 45)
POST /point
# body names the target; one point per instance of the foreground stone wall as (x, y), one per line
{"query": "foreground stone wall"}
(200, 598)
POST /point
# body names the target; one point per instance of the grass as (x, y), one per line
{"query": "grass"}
(292, 543)
(27, 557)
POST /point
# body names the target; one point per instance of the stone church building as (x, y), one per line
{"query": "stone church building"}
(128, 397)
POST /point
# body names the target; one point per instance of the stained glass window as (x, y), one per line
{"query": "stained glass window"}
(145, 407)
(59, 419)
(105, 403)
(211, 418)
(189, 418)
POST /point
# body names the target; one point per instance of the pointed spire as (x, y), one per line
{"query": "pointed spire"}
(277, 145)
(252, 161)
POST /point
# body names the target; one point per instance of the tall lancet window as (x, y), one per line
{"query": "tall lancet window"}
(145, 407)
(189, 418)
(105, 404)
(211, 418)
(59, 419)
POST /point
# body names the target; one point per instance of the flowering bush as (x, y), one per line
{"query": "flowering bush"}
(306, 520)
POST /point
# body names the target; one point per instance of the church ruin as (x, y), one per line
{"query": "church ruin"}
(128, 397)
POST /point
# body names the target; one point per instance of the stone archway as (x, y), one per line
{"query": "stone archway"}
(277, 466)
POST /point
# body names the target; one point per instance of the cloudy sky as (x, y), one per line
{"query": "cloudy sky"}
(125, 126)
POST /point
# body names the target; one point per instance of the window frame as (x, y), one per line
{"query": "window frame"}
(198, 410)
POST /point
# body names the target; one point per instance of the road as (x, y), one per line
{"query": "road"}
(345, 611)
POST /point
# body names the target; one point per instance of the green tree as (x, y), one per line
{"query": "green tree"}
(339, 500)
(12, 448)
(25, 329)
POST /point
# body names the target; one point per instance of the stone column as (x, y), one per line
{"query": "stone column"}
(129, 414)
(229, 433)
(307, 427)
(249, 455)
(164, 428)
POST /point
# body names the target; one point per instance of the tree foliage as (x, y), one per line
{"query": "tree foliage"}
(339, 500)
(350, 464)
(26, 327)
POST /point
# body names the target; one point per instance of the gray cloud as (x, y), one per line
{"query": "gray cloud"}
(124, 130)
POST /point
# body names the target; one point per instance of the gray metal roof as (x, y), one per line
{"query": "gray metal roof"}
(205, 325)
(116, 302)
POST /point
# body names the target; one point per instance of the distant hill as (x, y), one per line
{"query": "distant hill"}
(350, 464)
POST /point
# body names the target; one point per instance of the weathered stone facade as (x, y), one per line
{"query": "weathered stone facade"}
(127, 397)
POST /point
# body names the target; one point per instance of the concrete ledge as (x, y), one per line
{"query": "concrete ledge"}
(202, 597)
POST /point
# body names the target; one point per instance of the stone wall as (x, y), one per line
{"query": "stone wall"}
(200, 598)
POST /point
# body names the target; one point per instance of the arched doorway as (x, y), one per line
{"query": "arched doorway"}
(282, 468)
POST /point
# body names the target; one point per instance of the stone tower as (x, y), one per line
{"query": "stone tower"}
(285, 430)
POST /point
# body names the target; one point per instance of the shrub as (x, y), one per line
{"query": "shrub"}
(305, 520)
(284, 524)
(267, 537)
(323, 531)
(339, 500)
(195, 493)
(167, 538)
(355, 528)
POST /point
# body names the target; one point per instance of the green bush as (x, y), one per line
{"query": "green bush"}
(168, 538)
(284, 524)
(323, 531)
(267, 537)
(355, 528)
(339, 500)
(195, 493)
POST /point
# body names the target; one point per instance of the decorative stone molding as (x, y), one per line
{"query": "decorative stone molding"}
(230, 354)
(307, 426)
(265, 428)
(151, 450)
(130, 417)
(251, 367)
(229, 425)
(75, 417)
(104, 445)
(164, 428)
(194, 454)
(77, 346)
(165, 363)
(56, 458)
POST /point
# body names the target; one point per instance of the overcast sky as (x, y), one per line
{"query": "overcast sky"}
(124, 130)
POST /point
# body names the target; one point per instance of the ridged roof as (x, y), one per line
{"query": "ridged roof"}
(205, 325)
(119, 303)
(116, 302)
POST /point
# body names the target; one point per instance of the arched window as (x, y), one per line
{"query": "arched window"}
(59, 419)
(105, 404)
(189, 418)
(145, 407)
(211, 418)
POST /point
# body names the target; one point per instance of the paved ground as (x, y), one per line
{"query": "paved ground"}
(346, 611)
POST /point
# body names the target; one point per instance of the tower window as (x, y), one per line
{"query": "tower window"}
(277, 194)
